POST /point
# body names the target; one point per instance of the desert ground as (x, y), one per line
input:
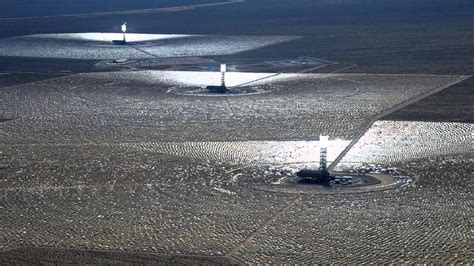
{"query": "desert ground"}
(116, 154)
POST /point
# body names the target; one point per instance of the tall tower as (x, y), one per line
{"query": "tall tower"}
(124, 30)
(222, 88)
(322, 175)
(323, 149)
(223, 70)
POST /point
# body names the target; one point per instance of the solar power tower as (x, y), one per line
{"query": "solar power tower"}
(124, 31)
(323, 149)
(223, 71)
(322, 175)
(221, 88)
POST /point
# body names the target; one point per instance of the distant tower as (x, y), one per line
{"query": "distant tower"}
(223, 70)
(322, 175)
(124, 30)
(323, 149)
(221, 88)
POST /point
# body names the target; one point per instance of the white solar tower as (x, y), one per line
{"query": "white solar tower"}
(322, 175)
(223, 71)
(222, 88)
(323, 149)
(124, 30)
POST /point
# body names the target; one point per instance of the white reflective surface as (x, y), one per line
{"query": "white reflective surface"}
(195, 78)
(303, 153)
(389, 142)
(94, 45)
(107, 37)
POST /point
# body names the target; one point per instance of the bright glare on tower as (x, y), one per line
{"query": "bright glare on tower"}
(324, 141)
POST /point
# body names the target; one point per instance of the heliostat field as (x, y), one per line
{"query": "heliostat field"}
(129, 162)
(236, 132)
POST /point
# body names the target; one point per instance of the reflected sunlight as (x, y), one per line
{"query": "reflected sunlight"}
(109, 37)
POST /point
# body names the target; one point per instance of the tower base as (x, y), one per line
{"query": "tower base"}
(119, 42)
(315, 176)
(217, 89)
